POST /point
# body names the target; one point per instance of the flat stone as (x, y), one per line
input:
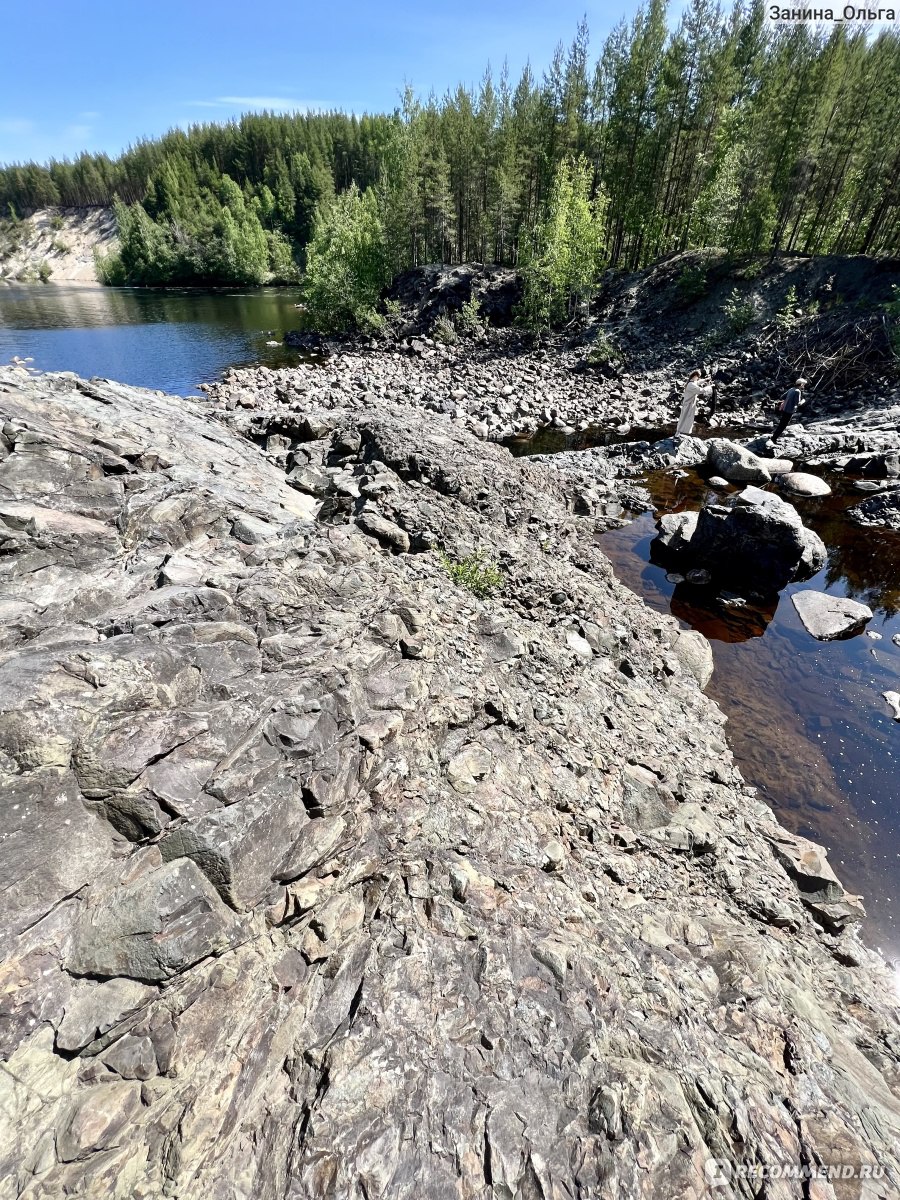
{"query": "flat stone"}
(829, 618)
(799, 483)
(153, 928)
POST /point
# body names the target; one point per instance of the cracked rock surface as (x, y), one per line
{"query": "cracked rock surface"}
(325, 877)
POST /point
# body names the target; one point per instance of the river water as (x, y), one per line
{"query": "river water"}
(171, 339)
(807, 721)
(808, 724)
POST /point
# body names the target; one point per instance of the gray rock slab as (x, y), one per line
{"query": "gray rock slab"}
(827, 617)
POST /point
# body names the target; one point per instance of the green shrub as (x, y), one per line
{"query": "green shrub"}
(469, 318)
(44, 271)
(562, 260)
(56, 222)
(393, 313)
(346, 264)
(59, 246)
(739, 311)
(445, 331)
(476, 573)
(604, 350)
(786, 317)
(692, 284)
(110, 269)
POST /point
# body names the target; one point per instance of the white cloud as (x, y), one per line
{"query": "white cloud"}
(273, 103)
(77, 133)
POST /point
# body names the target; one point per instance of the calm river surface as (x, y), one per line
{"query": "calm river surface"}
(807, 721)
(170, 339)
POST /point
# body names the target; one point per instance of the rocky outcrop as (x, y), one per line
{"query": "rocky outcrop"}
(328, 876)
(429, 292)
(63, 242)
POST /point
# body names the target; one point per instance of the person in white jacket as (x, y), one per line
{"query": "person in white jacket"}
(694, 387)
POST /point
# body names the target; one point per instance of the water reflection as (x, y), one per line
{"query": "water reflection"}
(809, 726)
(171, 339)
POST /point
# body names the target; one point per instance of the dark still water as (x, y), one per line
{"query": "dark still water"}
(807, 720)
(171, 339)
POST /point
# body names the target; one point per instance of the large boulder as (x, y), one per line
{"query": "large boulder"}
(830, 617)
(737, 464)
(757, 540)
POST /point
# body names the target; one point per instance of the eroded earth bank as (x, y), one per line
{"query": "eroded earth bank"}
(324, 876)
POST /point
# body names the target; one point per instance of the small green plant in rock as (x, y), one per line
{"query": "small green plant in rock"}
(44, 271)
(692, 284)
(476, 573)
(445, 331)
(469, 318)
(56, 222)
(603, 351)
(739, 312)
(59, 246)
(786, 317)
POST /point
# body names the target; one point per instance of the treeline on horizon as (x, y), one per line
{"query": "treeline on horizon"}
(724, 131)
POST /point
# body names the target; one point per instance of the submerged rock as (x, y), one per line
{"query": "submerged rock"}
(827, 617)
(799, 483)
(881, 510)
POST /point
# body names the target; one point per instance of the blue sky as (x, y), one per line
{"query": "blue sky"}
(96, 74)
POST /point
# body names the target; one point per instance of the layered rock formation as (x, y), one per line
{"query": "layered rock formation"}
(325, 876)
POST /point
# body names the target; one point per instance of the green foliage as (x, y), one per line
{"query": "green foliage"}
(603, 351)
(347, 264)
(786, 317)
(200, 235)
(468, 320)
(44, 271)
(444, 331)
(704, 128)
(58, 246)
(564, 257)
(740, 312)
(476, 573)
(692, 284)
(752, 270)
(56, 222)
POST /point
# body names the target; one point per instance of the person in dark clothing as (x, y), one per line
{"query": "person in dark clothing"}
(790, 402)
